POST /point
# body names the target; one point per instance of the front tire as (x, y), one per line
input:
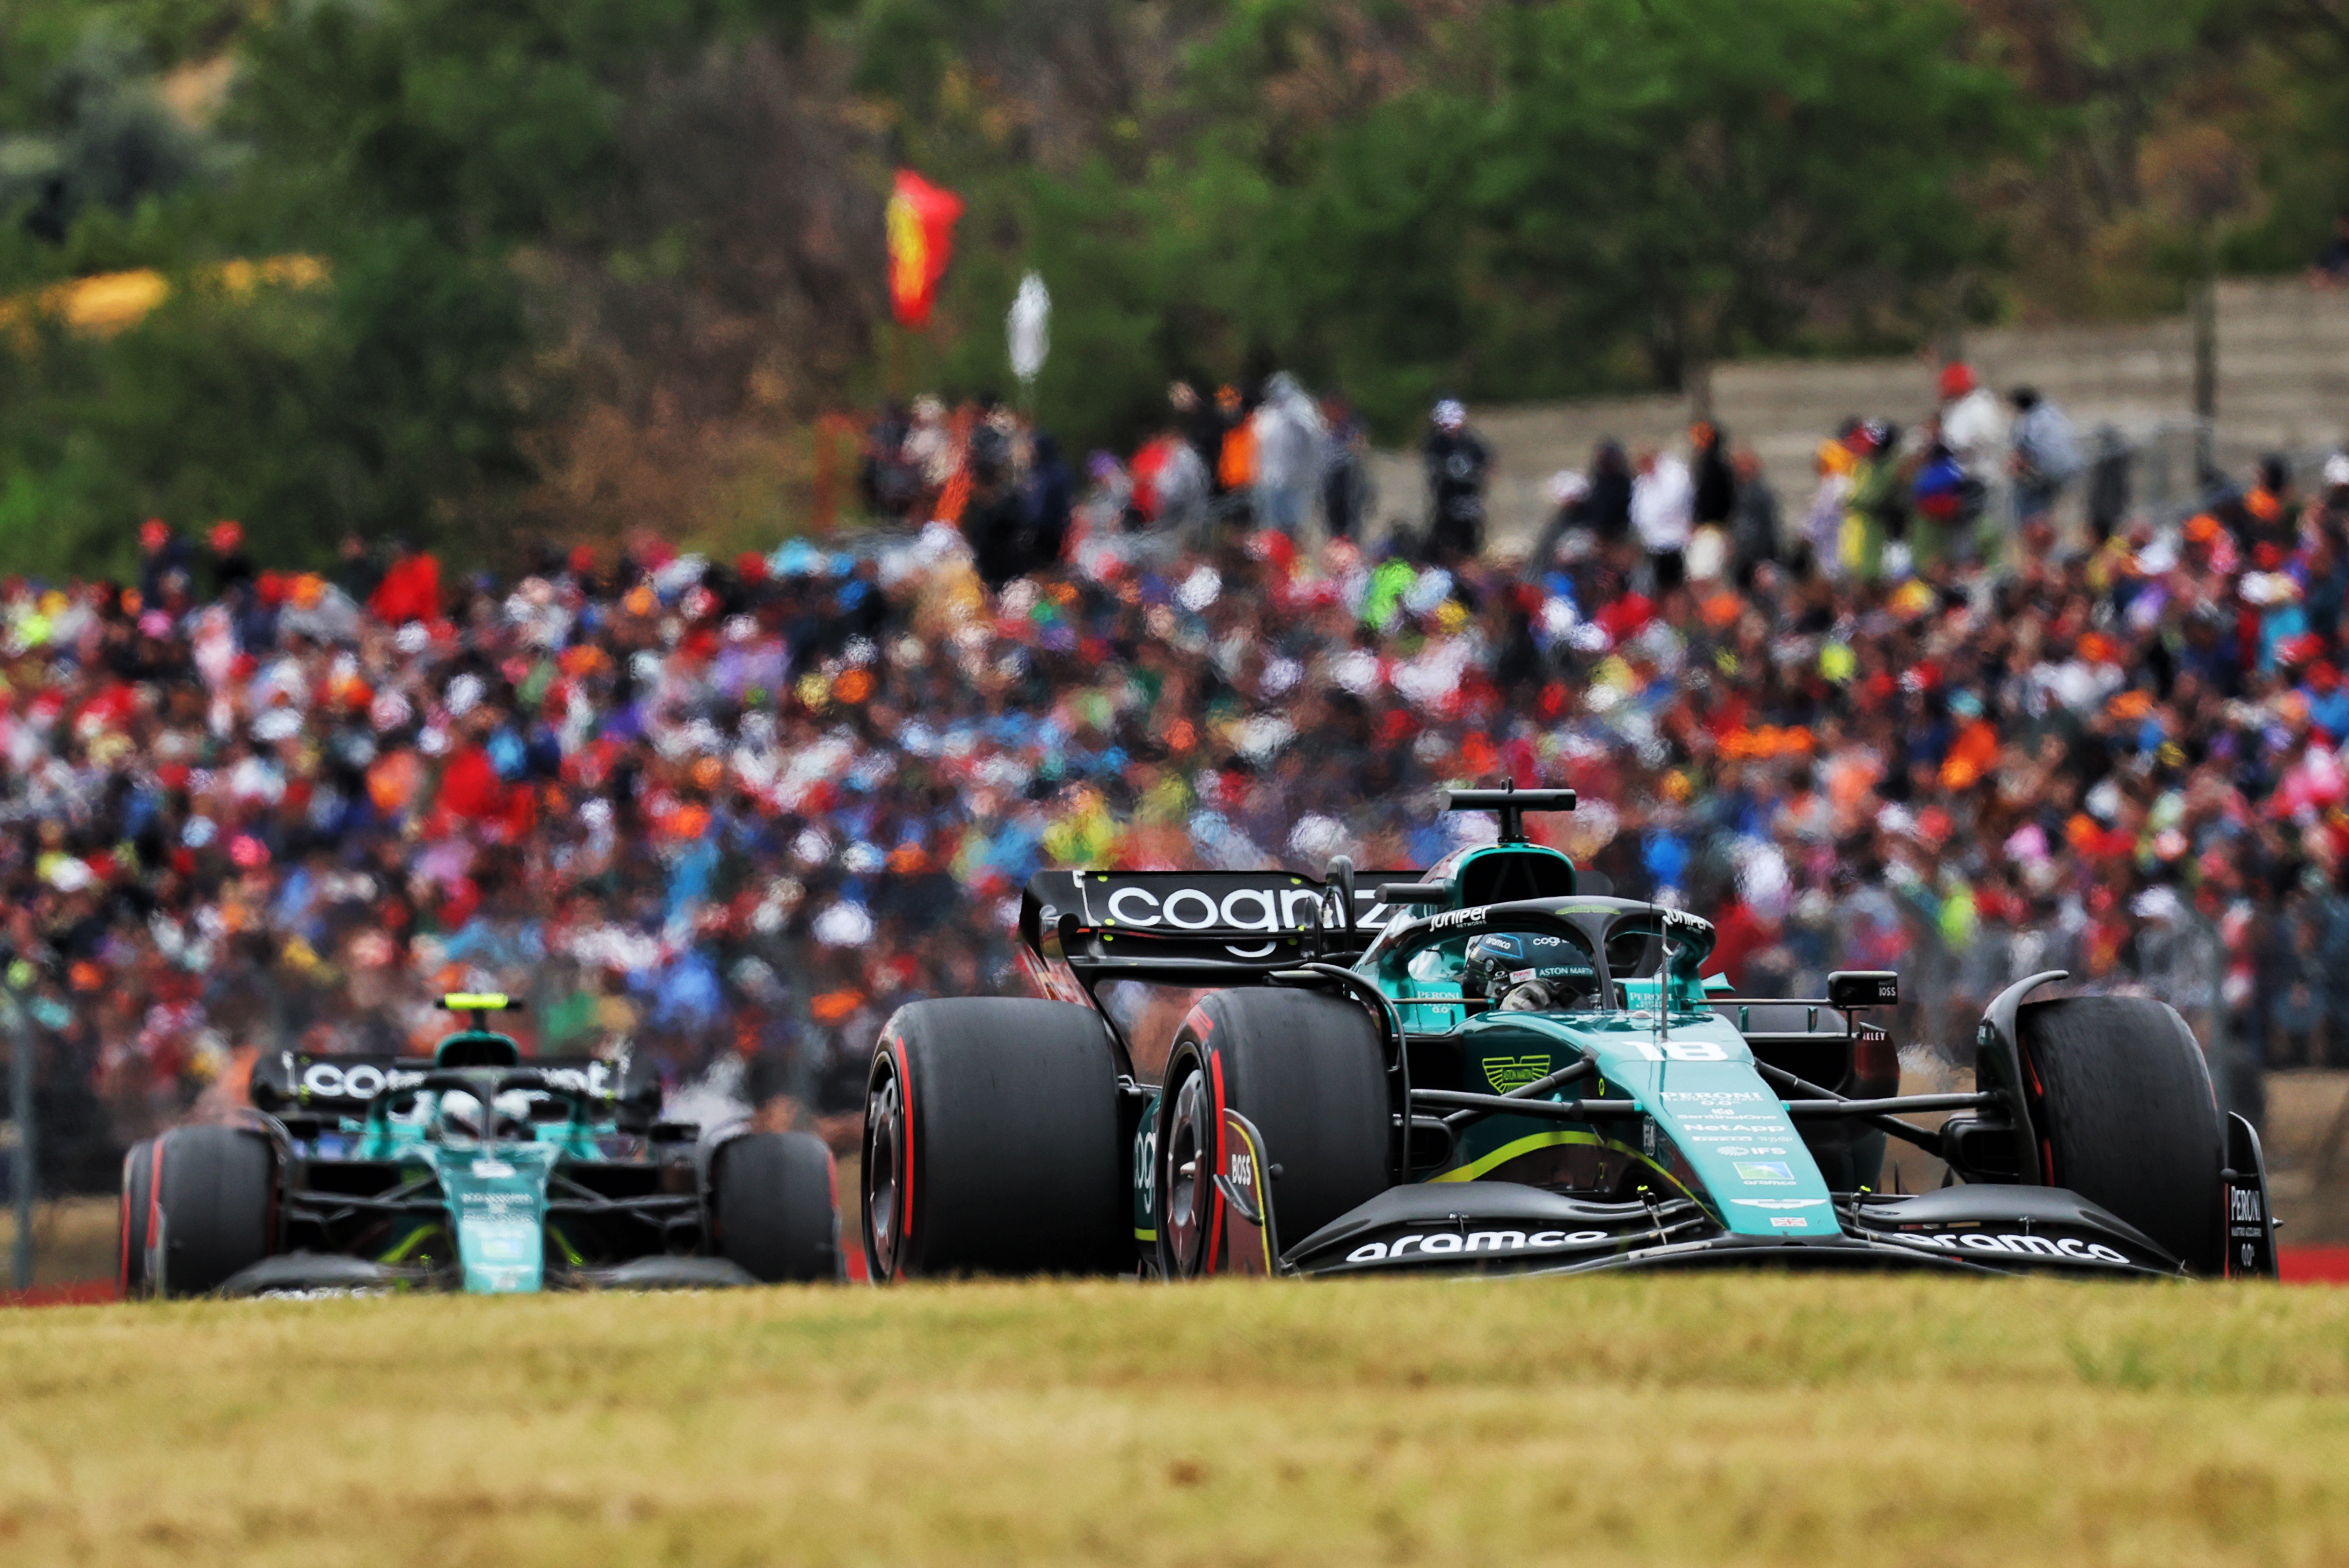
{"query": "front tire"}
(991, 1143)
(2127, 1118)
(1309, 1071)
(214, 1209)
(775, 1204)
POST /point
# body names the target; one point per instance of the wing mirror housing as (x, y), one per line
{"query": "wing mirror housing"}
(1863, 988)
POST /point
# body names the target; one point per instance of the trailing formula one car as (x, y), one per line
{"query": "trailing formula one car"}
(1494, 1067)
(473, 1171)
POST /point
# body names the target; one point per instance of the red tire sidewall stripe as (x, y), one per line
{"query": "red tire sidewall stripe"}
(906, 1136)
(1214, 1165)
(2035, 1099)
(154, 1211)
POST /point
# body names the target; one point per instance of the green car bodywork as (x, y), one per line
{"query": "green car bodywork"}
(1497, 1064)
(481, 1171)
(1713, 1132)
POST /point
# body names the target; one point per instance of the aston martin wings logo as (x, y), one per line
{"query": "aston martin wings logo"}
(1506, 1073)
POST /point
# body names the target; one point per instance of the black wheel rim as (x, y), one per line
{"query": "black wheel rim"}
(1184, 1178)
(885, 1142)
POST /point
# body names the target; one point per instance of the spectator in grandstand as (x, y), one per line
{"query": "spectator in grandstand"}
(2265, 513)
(1236, 455)
(2044, 458)
(1051, 502)
(1876, 506)
(1714, 496)
(1754, 522)
(1606, 508)
(410, 589)
(2331, 267)
(884, 482)
(1291, 454)
(996, 523)
(1346, 490)
(1823, 524)
(1971, 425)
(1201, 423)
(2108, 486)
(1174, 489)
(1457, 463)
(1663, 511)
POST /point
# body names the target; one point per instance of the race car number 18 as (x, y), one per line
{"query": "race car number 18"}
(1681, 1051)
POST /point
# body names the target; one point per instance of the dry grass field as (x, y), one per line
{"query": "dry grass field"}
(73, 1239)
(1702, 1419)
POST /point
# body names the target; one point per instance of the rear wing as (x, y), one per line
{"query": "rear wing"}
(350, 1084)
(1186, 926)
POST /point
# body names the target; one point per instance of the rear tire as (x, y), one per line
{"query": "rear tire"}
(2127, 1118)
(131, 1227)
(215, 1206)
(775, 1200)
(1309, 1071)
(991, 1143)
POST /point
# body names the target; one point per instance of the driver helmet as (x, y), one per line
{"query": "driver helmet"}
(1528, 971)
(459, 1113)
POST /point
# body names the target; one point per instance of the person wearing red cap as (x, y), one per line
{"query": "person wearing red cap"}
(1974, 429)
(162, 553)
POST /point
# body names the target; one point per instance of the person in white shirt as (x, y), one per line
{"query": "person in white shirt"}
(1291, 453)
(1663, 511)
(1973, 427)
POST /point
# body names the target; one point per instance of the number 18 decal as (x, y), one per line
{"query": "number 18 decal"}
(1682, 1050)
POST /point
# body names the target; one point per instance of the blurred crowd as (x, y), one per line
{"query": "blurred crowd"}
(729, 814)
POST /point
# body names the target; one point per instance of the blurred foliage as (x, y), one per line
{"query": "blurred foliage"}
(593, 265)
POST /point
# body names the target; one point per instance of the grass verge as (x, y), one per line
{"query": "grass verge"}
(73, 1239)
(1746, 1419)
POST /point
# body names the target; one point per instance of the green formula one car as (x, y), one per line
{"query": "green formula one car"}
(1494, 1066)
(473, 1171)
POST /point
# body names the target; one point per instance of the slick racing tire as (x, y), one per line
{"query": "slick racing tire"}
(991, 1143)
(775, 1203)
(214, 1208)
(130, 1230)
(1308, 1070)
(2126, 1117)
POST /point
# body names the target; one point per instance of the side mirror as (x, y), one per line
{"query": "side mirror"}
(1337, 894)
(638, 1103)
(1863, 988)
(272, 1083)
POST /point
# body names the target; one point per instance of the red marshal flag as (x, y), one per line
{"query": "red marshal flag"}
(921, 241)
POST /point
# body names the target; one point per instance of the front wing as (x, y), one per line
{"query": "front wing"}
(299, 1274)
(1499, 1226)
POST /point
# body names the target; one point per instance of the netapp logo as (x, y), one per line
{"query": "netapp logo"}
(2068, 1247)
(1444, 1242)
